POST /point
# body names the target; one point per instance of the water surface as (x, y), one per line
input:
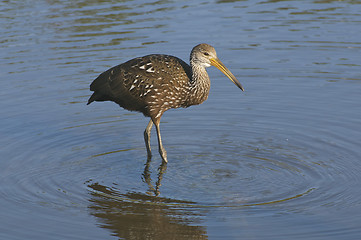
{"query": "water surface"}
(279, 161)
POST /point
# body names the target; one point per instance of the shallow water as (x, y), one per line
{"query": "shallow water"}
(279, 161)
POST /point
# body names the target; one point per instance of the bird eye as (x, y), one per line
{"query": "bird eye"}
(206, 54)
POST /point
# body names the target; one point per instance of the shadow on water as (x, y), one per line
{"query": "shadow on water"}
(139, 216)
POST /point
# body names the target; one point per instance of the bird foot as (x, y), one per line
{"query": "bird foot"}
(163, 154)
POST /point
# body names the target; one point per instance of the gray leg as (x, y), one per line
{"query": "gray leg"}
(147, 138)
(162, 151)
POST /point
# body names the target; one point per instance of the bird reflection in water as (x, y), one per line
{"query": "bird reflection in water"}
(139, 216)
(146, 176)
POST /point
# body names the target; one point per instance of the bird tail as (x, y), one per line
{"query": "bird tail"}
(95, 97)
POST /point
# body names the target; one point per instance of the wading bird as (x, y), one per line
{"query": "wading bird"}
(155, 83)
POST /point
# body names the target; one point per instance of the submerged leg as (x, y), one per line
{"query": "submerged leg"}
(147, 138)
(162, 151)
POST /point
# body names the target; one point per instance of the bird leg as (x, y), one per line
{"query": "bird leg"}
(147, 138)
(162, 151)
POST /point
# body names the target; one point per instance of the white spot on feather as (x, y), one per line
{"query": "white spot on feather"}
(158, 115)
(146, 92)
(150, 69)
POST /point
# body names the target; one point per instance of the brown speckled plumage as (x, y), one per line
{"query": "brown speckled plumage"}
(155, 83)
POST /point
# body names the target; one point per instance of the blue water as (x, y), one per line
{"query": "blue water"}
(278, 161)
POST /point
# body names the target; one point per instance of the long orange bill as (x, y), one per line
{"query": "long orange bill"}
(218, 64)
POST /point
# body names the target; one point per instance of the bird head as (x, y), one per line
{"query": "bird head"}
(205, 55)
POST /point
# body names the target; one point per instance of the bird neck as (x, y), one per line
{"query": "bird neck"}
(199, 84)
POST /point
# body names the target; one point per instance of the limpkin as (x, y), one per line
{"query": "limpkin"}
(155, 83)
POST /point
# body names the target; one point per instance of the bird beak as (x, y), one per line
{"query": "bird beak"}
(218, 64)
